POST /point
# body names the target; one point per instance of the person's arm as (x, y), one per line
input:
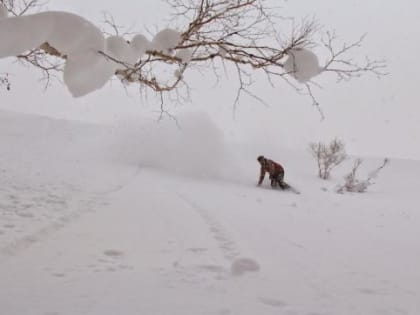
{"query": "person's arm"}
(262, 175)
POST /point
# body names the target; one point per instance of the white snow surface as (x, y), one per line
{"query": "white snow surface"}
(143, 218)
(302, 64)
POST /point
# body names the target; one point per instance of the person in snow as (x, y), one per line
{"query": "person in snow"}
(275, 170)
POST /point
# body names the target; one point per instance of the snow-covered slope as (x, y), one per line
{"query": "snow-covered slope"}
(149, 219)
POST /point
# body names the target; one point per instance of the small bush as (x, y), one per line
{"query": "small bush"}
(327, 156)
(352, 184)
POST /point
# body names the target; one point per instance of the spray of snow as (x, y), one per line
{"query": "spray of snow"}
(302, 64)
(195, 149)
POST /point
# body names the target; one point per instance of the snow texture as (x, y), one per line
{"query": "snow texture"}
(302, 64)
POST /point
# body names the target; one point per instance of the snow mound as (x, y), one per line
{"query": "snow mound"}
(302, 64)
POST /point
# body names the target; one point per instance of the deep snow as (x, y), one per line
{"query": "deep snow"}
(149, 219)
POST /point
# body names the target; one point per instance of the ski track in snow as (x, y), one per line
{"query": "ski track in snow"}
(31, 214)
(235, 265)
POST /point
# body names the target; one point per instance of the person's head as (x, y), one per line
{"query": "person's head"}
(261, 159)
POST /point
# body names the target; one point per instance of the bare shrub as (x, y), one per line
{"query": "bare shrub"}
(327, 156)
(352, 184)
(4, 81)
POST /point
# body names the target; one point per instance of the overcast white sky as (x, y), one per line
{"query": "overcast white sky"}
(374, 117)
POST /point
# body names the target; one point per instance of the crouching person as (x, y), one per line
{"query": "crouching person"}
(274, 169)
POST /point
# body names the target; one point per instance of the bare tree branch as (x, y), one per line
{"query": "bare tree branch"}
(230, 34)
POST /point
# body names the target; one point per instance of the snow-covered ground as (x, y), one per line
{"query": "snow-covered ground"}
(134, 219)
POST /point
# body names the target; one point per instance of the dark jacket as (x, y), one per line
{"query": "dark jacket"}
(272, 168)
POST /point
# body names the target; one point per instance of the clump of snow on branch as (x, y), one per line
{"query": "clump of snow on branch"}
(66, 32)
(118, 48)
(166, 40)
(86, 72)
(184, 54)
(353, 184)
(302, 64)
(140, 44)
(74, 37)
(81, 42)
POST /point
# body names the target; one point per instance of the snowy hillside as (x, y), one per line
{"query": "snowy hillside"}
(155, 220)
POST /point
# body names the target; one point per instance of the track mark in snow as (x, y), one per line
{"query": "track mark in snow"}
(113, 253)
(273, 302)
(195, 250)
(243, 265)
(225, 243)
(53, 205)
(371, 292)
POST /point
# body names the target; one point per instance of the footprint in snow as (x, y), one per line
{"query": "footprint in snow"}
(272, 302)
(241, 266)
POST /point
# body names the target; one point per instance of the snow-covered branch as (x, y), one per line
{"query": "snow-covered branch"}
(210, 34)
(4, 81)
(353, 184)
